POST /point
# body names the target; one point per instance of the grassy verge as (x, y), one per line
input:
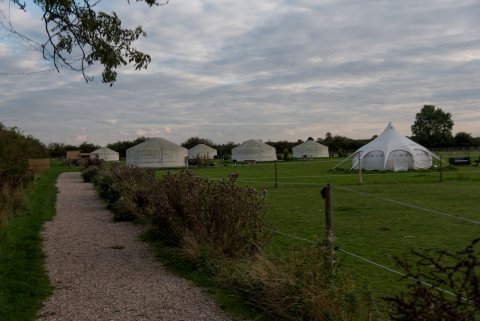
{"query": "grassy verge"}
(23, 280)
(228, 300)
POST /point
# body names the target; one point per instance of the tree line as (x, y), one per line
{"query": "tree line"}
(432, 128)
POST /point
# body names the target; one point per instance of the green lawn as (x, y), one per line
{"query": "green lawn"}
(370, 220)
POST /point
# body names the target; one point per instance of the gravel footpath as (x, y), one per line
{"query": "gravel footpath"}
(101, 271)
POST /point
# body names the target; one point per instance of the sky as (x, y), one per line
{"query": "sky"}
(230, 70)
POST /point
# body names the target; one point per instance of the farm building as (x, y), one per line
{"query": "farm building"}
(157, 152)
(202, 151)
(310, 149)
(106, 154)
(392, 151)
(254, 150)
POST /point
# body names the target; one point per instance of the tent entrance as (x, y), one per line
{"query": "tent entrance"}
(399, 160)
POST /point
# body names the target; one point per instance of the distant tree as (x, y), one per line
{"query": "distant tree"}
(80, 35)
(310, 138)
(225, 150)
(194, 141)
(87, 147)
(122, 146)
(281, 145)
(432, 127)
(328, 139)
(15, 150)
(342, 143)
(56, 150)
(476, 142)
(463, 139)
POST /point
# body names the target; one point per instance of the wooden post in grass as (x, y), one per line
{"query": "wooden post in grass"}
(276, 176)
(330, 237)
(360, 178)
(441, 169)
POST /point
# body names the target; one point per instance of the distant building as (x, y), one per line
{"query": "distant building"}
(254, 150)
(392, 151)
(157, 152)
(105, 154)
(202, 151)
(310, 149)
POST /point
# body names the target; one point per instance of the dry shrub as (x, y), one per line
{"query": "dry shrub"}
(305, 286)
(209, 218)
(206, 218)
(127, 190)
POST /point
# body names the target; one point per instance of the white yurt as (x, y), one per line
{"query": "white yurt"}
(157, 152)
(254, 150)
(106, 154)
(393, 152)
(310, 149)
(203, 151)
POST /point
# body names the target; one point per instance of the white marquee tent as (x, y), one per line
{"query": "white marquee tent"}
(203, 151)
(106, 154)
(254, 150)
(157, 152)
(310, 149)
(392, 151)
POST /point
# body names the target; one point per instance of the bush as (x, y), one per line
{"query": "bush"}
(207, 216)
(304, 286)
(125, 189)
(89, 174)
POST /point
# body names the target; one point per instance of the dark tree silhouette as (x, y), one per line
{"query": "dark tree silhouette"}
(432, 127)
(79, 35)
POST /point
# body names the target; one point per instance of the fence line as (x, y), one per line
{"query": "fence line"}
(409, 205)
(370, 262)
(376, 197)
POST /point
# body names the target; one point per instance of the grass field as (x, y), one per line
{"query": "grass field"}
(387, 216)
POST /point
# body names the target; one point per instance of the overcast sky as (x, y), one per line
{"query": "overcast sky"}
(232, 70)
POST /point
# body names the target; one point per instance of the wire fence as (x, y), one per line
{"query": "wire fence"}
(348, 252)
(381, 266)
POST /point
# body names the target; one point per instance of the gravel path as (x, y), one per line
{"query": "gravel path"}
(101, 271)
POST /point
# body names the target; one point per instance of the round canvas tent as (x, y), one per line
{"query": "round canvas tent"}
(392, 151)
(156, 152)
(105, 153)
(310, 149)
(203, 151)
(254, 150)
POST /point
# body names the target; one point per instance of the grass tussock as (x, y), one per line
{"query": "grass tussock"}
(304, 286)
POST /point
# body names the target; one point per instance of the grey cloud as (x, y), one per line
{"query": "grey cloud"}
(269, 70)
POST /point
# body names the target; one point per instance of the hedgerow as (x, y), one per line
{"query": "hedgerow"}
(220, 227)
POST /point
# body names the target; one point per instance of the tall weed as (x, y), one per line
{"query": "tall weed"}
(304, 286)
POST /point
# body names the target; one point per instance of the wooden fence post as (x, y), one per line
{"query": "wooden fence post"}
(330, 237)
(276, 175)
(360, 178)
(441, 169)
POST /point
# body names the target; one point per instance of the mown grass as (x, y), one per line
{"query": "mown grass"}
(366, 221)
(24, 282)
